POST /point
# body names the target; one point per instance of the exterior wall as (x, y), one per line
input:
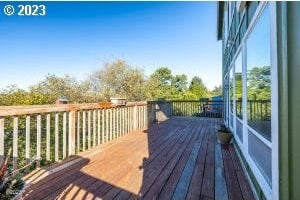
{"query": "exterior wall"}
(288, 28)
(258, 152)
(286, 37)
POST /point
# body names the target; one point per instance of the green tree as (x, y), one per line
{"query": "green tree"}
(198, 88)
(118, 79)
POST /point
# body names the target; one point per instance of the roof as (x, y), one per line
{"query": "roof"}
(220, 17)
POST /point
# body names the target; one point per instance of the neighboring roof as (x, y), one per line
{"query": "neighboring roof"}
(220, 19)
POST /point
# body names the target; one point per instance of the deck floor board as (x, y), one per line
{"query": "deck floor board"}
(174, 159)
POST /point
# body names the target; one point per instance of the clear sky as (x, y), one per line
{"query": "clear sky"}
(76, 38)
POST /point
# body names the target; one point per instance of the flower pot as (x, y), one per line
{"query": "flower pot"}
(224, 138)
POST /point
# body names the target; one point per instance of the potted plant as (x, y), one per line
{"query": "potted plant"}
(224, 135)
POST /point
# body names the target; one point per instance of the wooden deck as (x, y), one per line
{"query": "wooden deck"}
(175, 159)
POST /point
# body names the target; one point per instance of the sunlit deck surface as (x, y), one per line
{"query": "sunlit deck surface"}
(178, 158)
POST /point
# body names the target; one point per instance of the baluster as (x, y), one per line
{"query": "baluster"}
(64, 135)
(56, 158)
(103, 125)
(72, 125)
(83, 130)
(1, 139)
(15, 143)
(94, 128)
(114, 123)
(78, 131)
(48, 137)
(89, 129)
(38, 139)
(107, 125)
(27, 139)
(98, 130)
(110, 124)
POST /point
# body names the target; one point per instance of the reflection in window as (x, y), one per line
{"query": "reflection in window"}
(238, 87)
(259, 77)
(231, 96)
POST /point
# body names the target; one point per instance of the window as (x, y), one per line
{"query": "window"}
(259, 77)
(231, 106)
(239, 86)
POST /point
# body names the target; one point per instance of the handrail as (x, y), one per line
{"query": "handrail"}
(40, 109)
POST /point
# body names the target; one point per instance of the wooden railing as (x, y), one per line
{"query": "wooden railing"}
(39, 135)
(209, 108)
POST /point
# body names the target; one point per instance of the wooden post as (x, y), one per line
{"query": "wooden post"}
(72, 130)
(48, 137)
(56, 158)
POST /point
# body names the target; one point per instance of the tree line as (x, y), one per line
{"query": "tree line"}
(114, 79)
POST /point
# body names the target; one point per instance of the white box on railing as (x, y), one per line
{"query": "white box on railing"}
(118, 101)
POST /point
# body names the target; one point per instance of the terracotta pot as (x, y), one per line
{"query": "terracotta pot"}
(224, 138)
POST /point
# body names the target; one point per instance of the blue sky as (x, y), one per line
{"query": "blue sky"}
(77, 38)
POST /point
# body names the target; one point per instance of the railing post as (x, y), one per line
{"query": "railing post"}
(72, 123)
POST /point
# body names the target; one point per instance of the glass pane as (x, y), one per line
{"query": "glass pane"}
(238, 86)
(231, 90)
(259, 77)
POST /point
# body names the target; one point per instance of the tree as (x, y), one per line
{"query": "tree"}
(179, 82)
(217, 91)
(53, 87)
(118, 79)
(259, 83)
(198, 88)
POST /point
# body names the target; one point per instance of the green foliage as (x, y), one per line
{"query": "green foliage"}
(118, 79)
(114, 79)
(198, 88)
(259, 83)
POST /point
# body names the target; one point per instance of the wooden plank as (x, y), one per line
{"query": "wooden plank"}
(207, 190)
(183, 185)
(163, 177)
(56, 129)
(220, 182)
(233, 187)
(243, 182)
(48, 137)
